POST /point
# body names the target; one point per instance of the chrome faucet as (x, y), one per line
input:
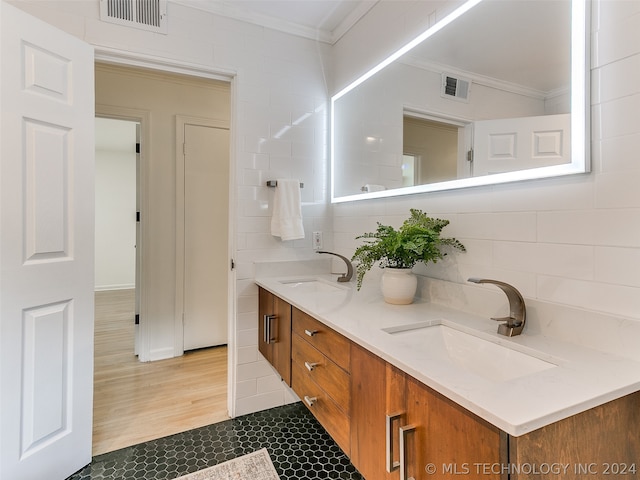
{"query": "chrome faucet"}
(517, 310)
(346, 277)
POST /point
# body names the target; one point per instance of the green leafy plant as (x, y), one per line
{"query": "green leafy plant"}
(417, 240)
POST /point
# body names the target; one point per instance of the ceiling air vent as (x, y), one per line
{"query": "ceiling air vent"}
(456, 88)
(145, 14)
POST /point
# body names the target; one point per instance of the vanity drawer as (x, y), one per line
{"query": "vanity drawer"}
(326, 374)
(329, 342)
(320, 404)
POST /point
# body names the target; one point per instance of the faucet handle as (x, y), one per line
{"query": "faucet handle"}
(512, 321)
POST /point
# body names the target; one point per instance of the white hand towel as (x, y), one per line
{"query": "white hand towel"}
(286, 217)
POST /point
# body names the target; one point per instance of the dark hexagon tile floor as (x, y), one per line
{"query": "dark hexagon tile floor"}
(298, 445)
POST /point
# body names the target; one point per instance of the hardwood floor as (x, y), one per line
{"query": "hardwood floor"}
(134, 401)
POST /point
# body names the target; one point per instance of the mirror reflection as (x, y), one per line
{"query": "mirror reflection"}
(487, 97)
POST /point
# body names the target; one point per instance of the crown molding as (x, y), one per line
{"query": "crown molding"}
(245, 15)
(353, 18)
(479, 79)
(267, 21)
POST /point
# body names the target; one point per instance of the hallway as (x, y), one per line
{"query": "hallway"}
(136, 402)
(163, 419)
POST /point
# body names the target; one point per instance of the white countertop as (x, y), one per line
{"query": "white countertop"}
(579, 379)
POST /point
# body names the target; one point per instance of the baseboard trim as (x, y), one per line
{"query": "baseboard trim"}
(103, 288)
(160, 354)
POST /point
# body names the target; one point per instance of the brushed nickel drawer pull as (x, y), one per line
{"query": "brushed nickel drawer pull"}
(267, 328)
(404, 434)
(391, 464)
(310, 400)
(310, 366)
(311, 333)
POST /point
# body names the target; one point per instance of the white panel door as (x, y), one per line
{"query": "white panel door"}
(510, 144)
(46, 249)
(206, 251)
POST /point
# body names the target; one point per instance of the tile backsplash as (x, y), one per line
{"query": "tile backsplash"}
(572, 241)
(571, 245)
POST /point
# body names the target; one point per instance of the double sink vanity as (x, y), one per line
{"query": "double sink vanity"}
(425, 391)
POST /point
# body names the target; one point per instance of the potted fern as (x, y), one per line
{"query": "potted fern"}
(397, 251)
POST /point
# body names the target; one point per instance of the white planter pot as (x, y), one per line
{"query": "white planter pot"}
(398, 285)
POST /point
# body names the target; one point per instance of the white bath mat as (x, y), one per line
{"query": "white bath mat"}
(253, 466)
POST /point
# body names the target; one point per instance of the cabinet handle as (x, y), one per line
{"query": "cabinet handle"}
(311, 333)
(404, 434)
(310, 366)
(267, 328)
(392, 465)
(310, 400)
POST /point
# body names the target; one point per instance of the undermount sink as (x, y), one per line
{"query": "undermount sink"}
(310, 285)
(482, 357)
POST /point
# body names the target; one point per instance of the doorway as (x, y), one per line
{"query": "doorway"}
(117, 257)
(126, 94)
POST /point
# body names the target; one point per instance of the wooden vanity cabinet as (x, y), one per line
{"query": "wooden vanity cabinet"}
(377, 389)
(602, 442)
(442, 440)
(320, 375)
(448, 440)
(355, 394)
(274, 332)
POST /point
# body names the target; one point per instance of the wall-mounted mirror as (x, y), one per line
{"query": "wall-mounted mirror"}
(495, 92)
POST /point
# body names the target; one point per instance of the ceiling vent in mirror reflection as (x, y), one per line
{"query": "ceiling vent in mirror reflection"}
(455, 88)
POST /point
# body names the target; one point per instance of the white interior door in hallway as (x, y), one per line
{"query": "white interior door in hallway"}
(206, 243)
(46, 249)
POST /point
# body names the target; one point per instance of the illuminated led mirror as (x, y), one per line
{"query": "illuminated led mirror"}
(495, 92)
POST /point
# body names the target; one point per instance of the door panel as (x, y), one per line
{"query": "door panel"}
(510, 144)
(206, 253)
(46, 249)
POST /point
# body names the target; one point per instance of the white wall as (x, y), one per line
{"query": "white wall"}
(565, 242)
(378, 160)
(278, 129)
(571, 241)
(115, 266)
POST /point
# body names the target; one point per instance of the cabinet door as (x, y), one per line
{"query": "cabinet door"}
(281, 339)
(440, 439)
(274, 332)
(265, 308)
(603, 442)
(377, 391)
(448, 441)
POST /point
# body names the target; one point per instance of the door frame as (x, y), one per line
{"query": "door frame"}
(133, 59)
(143, 117)
(465, 134)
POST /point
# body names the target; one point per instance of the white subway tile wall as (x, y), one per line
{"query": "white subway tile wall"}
(565, 242)
(279, 130)
(568, 241)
